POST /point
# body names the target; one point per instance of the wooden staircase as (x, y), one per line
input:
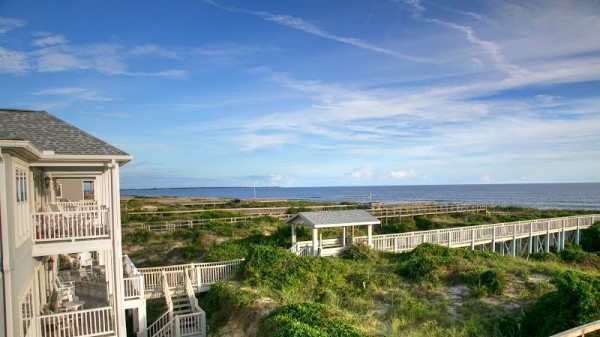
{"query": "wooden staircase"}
(181, 304)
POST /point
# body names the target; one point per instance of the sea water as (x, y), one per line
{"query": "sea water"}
(543, 196)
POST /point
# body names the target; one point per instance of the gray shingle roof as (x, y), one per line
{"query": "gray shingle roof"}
(48, 133)
(322, 219)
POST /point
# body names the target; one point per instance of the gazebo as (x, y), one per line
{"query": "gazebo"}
(331, 219)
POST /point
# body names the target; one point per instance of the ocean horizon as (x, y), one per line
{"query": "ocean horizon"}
(584, 196)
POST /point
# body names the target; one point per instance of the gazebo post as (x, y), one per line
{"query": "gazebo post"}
(294, 233)
(315, 241)
(344, 238)
(370, 235)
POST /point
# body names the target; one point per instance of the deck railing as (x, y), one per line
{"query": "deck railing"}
(77, 205)
(580, 330)
(201, 274)
(158, 324)
(133, 280)
(70, 225)
(91, 322)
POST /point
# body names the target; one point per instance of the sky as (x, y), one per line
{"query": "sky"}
(317, 93)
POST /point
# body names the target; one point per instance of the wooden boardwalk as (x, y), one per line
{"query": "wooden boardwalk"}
(393, 211)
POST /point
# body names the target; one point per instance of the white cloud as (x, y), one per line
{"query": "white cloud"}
(486, 178)
(363, 173)
(307, 27)
(73, 93)
(402, 174)
(8, 24)
(13, 62)
(44, 39)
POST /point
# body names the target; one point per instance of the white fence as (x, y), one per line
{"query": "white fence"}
(469, 236)
(92, 322)
(201, 274)
(70, 225)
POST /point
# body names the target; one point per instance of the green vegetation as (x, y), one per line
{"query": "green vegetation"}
(430, 291)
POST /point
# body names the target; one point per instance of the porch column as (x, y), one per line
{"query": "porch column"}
(117, 257)
(293, 233)
(139, 321)
(370, 235)
(315, 241)
(344, 238)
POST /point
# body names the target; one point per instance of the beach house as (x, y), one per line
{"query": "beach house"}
(63, 272)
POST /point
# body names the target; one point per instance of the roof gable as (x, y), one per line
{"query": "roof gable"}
(327, 219)
(48, 133)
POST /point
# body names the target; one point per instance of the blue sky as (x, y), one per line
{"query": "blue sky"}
(317, 93)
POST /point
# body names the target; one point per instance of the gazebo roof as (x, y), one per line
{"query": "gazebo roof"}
(330, 219)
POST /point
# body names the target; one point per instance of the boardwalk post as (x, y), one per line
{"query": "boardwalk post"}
(564, 235)
(315, 242)
(395, 244)
(449, 239)
(577, 233)
(472, 239)
(514, 241)
(529, 248)
(494, 239)
(547, 243)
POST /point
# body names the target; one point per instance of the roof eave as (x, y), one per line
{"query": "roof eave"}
(51, 159)
(22, 147)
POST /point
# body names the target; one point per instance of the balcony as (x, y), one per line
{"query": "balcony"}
(66, 226)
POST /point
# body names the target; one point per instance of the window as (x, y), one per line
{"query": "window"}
(21, 185)
(27, 311)
(58, 191)
(22, 216)
(88, 190)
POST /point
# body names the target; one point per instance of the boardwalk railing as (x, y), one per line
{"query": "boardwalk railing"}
(472, 236)
(423, 209)
(70, 225)
(389, 211)
(91, 322)
(580, 331)
(476, 235)
(201, 274)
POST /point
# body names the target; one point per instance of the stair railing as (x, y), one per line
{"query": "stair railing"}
(167, 294)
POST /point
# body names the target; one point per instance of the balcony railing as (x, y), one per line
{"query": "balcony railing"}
(92, 322)
(133, 280)
(70, 225)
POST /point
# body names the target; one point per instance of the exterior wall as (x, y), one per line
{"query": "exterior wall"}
(20, 267)
(72, 189)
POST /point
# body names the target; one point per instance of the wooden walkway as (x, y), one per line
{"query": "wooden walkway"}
(393, 211)
(511, 238)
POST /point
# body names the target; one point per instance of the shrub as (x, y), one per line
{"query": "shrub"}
(572, 254)
(575, 302)
(305, 320)
(360, 252)
(590, 239)
(228, 250)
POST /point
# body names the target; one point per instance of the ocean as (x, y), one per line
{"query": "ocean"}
(543, 196)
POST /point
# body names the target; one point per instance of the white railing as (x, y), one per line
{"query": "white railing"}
(91, 322)
(190, 325)
(133, 280)
(467, 236)
(158, 324)
(182, 326)
(70, 225)
(167, 294)
(302, 248)
(580, 330)
(76, 205)
(420, 209)
(212, 272)
(463, 236)
(201, 274)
